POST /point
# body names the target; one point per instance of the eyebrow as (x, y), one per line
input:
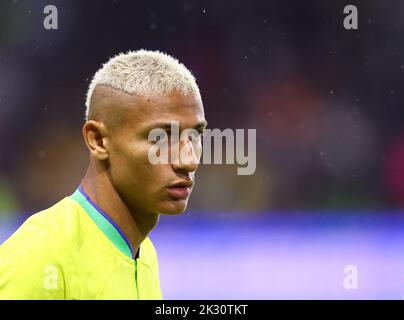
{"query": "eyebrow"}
(200, 126)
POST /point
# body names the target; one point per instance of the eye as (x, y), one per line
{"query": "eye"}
(158, 137)
(195, 136)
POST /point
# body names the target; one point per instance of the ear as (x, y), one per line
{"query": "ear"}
(94, 134)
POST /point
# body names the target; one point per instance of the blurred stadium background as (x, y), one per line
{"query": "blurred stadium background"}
(327, 105)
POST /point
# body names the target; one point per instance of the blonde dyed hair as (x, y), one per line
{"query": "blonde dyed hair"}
(143, 72)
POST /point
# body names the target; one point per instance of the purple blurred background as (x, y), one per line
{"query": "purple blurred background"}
(278, 255)
(326, 103)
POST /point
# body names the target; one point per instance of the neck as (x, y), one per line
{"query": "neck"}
(134, 225)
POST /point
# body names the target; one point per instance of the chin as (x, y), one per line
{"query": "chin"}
(173, 207)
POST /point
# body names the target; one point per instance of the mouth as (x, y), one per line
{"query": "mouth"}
(180, 190)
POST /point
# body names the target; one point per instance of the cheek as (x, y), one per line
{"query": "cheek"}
(131, 167)
(128, 160)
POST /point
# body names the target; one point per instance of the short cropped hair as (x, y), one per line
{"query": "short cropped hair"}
(143, 72)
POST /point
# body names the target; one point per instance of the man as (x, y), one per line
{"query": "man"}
(93, 244)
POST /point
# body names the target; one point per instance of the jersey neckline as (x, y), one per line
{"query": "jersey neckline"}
(104, 222)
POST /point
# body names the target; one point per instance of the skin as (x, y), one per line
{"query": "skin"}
(120, 179)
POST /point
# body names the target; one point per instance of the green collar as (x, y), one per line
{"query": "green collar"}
(104, 223)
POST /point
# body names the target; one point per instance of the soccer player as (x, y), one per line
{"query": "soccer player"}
(94, 243)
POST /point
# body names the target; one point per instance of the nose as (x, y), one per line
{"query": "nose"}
(187, 160)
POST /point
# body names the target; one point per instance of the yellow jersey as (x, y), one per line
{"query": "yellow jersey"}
(73, 250)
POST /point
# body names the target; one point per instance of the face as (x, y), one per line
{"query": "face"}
(147, 187)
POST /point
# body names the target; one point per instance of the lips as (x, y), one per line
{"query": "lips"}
(181, 189)
(179, 193)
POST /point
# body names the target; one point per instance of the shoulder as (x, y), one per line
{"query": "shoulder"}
(31, 260)
(47, 228)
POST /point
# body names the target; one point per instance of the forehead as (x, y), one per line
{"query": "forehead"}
(143, 112)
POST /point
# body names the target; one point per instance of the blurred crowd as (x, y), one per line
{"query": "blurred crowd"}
(326, 102)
